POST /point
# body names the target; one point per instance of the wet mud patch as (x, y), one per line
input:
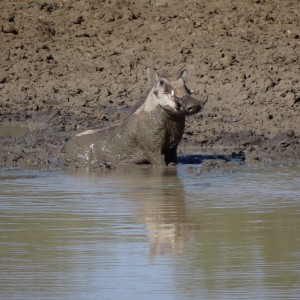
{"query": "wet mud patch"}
(199, 164)
(30, 145)
(200, 158)
(19, 129)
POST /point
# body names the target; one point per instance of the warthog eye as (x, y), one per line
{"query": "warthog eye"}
(167, 89)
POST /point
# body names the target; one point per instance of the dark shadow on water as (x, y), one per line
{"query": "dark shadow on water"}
(193, 159)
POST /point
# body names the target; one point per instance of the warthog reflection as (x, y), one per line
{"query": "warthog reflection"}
(159, 203)
(162, 208)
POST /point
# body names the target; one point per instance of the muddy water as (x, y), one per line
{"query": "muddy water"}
(231, 234)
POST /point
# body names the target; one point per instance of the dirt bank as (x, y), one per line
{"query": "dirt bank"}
(70, 65)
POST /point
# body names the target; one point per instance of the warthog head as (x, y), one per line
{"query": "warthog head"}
(172, 94)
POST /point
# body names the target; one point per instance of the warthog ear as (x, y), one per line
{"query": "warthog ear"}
(153, 77)
(182, 74)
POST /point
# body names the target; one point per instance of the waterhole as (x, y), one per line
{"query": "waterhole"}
(152, 234)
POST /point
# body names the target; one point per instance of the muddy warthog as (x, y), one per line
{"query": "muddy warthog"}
(149, 135)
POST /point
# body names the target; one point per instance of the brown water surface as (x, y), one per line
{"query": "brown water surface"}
(153, 234)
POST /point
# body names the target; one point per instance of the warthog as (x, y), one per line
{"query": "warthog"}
(149, 135)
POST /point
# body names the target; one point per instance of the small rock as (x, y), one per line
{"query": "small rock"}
(290, 98)
(49, 57)
(197, 24)
(185, 50)
(9, 28)
(109, 18)
(190, 170)
(79, 20)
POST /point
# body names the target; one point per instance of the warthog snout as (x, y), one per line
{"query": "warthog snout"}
(190, 104)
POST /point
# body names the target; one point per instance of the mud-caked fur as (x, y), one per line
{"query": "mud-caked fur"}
(149, 135)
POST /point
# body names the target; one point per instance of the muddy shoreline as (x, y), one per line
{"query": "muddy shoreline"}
(66, 67)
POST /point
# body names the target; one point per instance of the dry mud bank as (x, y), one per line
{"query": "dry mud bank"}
(70, 65)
